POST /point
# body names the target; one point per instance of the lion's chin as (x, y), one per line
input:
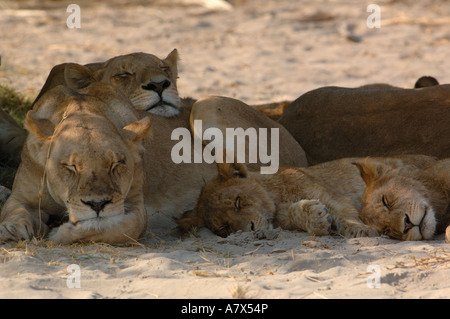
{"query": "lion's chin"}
(163, 109)
(99, 223)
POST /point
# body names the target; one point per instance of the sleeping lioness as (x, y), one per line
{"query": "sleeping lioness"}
(81, 170)
(335, 122)
(407, 203)
(316, 199)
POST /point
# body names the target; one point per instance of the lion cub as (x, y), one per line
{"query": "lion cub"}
(316, 199)
(407, 203)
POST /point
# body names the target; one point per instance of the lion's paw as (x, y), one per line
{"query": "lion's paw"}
(62, 234)
(15, 232)
(315, 217)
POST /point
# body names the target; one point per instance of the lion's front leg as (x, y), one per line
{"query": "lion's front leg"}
(17, 223)
(307, 215)
(117, 230)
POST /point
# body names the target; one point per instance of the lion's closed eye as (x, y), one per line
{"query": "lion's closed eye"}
(386, 203)
(71, 168)
(116, 165)
(237, 203)
(122, 75)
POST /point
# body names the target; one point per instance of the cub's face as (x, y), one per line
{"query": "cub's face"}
(229, 203)
(397, 206)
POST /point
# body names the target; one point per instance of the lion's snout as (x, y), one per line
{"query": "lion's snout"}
(97, 206)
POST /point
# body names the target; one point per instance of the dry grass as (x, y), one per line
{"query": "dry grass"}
(438, 259)
(75, 253)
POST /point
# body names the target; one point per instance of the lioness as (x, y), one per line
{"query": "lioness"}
(407, 204)
(315, 199)
(333, 122)
(82, 160)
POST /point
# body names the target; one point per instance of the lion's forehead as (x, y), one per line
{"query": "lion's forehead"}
(135, 62)
(86, 155)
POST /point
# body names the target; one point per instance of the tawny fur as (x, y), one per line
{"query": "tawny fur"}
(313, 199)
(169, 188)
(334, 122)
(91, 155)
(407, 203)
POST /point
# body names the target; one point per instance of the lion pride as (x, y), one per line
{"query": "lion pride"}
(168, 188)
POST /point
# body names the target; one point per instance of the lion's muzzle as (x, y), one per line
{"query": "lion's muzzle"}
(97, 206)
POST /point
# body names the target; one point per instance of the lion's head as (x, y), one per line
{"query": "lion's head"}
(230, 202)
(149, 82)
(90, 164)
(396, 204)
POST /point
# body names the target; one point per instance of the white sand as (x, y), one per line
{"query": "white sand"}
(261, 51)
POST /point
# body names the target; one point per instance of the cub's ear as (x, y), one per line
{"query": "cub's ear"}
(136, 131)
(78, 76)
(232, 170)
(188, 220)
(172, 60)
(369, 171)
(42, 128)
(228, 165)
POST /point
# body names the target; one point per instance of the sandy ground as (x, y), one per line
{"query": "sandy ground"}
(259, 51)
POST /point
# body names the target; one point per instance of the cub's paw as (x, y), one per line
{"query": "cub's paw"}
(358, 229)
(313, 216)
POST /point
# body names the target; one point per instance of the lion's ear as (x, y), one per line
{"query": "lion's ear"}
(55, 78)
(369, 171)
(41, 128)
(136, 131)
(188, 220)
(172, 60)
(78, 76)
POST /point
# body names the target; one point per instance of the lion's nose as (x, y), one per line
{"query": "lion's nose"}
(97, 206)
(158, 87)
(407, 224)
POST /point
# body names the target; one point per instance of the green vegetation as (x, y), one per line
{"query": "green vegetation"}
(17, 107)
(14, 104)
